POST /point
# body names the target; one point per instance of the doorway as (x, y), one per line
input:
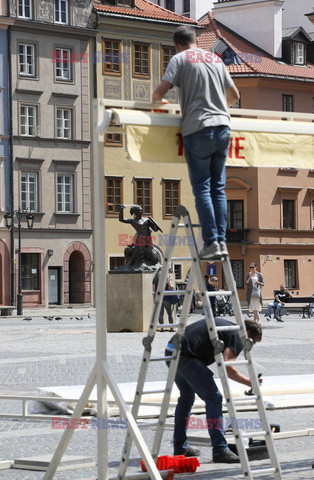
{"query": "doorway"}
(54, 285)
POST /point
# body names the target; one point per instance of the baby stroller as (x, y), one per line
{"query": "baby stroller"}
(224, 305)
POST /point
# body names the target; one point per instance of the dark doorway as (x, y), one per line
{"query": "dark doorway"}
(76, 277)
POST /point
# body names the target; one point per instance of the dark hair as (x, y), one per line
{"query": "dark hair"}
(254, 328)
(184, 35)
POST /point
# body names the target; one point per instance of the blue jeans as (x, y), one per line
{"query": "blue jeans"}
(166, 304)
(276, 305)
(206, 152)
(193, 377)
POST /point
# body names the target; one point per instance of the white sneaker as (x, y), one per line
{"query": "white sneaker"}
(210, 251)
(267, 318)
(223, 248)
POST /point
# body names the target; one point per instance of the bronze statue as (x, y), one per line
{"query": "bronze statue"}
(141, 255)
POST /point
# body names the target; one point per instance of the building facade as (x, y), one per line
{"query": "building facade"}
(50, 68)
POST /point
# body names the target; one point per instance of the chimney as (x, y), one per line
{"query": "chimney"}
(259, 21)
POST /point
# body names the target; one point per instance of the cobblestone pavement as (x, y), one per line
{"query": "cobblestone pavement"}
(40, 353)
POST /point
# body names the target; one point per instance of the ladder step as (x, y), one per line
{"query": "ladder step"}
(194, 225)
(219, 292)
(162, 359)
(228, 328)
(236, 362)
(175, 292)
(256, 434)
(263, 471)
(148, 424)
(247, 399)
(150, 392)
(182, 259)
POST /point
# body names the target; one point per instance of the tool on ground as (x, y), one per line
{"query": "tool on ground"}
(273, 470)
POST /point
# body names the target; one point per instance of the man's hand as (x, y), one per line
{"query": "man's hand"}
(161, 91)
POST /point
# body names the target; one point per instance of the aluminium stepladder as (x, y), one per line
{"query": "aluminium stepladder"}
(272, 471)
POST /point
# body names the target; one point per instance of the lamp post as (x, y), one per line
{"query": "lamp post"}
(9, 220)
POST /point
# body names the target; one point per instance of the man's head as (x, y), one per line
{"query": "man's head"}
(282, 288)
(184, 37)
(214, 281)
(136, 210)
(254, 330)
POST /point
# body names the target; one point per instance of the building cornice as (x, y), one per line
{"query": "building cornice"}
(54, 29)
(54, 140)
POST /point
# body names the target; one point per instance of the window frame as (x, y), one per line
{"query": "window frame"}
(136, 180)
(232, 202)
(22, 2)
(59, 65)
(64, 108)
(113, 213)
(31, 266)
(72, 185)
(287, 101)
(59, 22)
(296, 55)
(36, 123)
(162, 55)
(284, 200)
(171, 7)
(27, 192)
(139, 75)
(116, 258)
(110, 71)
(240, 262)
(287, 264)
(172, 181)
(34, 63)
(184, 6)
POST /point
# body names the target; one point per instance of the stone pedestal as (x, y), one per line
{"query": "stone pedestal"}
(129, 301)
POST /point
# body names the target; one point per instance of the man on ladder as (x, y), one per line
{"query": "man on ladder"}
(206, 89)
(193, 376)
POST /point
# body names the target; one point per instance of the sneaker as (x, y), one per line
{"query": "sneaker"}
(279, 319)
(210, 251)
(227, 456)
(267, 318)
(187, 452)
(223, 248)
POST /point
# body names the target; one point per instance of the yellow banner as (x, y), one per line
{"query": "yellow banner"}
(164, 144)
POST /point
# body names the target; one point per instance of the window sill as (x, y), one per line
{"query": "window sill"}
(72, 214)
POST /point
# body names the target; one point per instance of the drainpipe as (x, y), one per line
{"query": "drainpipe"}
(11, 206)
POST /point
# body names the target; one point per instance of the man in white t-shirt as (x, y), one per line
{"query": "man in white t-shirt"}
(206, 89)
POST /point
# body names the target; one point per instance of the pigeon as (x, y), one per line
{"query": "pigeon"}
(27, 319)
(49, 318)
(58, 318)
(88, 315)
(79, 318)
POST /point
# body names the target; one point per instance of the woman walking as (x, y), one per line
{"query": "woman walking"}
(254, 295)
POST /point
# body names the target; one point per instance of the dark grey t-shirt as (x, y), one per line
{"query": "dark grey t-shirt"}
(202, 79)
(197, 344)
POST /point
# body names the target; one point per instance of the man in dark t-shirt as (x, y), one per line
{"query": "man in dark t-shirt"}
(193, 376)
(279, 302)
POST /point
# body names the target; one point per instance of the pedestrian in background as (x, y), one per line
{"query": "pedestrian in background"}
(254, 294)
(206, 90)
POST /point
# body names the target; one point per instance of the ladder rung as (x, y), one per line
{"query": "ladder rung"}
(194, 225)
(250, 398)
(219, 292)
(162, 359)
(175, 292)
(148, 424)
(168, 325)
(256, 434)
(182, 259)
(236, 362)
(226, 329)
(263, 471)
(150, 392)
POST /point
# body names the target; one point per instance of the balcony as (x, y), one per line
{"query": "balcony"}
(237, 235)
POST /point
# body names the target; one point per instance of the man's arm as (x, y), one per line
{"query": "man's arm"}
(232, 95)
(233, 372)
(161, 90)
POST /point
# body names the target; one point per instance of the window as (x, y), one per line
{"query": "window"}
(237, 269)
(28, 120)
(26, 60)
(30, 271)
(141, 63)
(166, 54)
(111, 63)
(63, 66)
(61, 11)
(298, 53)
(29, 189)
(143, 194)
(113, 195)
(65, 193)
(288, 214)
(290, 267)
(171, 196)
(177, 271)
(169, 5)
(287, 103)
(116, 262)
(25, 9)
(235, 214)
(64, 123)
(114, 139)
(186, 6)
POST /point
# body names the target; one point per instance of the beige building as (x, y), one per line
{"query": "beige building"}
(50, 64)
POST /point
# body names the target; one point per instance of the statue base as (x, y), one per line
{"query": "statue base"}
(129, 301)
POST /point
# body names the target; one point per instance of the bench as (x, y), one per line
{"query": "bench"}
(303, 304)
(6, 311)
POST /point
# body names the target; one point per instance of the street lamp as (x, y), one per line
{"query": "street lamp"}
(9, 221)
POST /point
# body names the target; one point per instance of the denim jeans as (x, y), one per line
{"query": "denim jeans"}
(277, 305)
(206, 152)
(193, 377)
(166, 304)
